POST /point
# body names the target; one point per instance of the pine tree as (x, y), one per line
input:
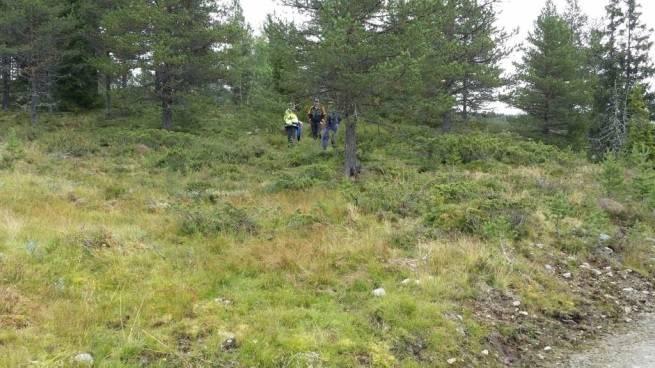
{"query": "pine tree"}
(238, 56)
(38, 29)
(345, 50)
(552, 87)
(7, 53)
(623, 64)
(174, 43)
(479, 45)
(577, 21)
(77, 77)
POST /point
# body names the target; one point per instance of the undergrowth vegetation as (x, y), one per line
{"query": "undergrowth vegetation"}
(151, 248)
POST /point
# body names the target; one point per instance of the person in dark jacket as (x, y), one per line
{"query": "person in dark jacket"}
(316, 115)
(329, 133)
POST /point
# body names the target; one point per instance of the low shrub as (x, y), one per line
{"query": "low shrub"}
(222, 219)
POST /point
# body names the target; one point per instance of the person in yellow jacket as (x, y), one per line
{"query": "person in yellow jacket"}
(292, 125)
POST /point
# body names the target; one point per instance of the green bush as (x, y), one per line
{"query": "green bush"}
(223, 219)
(453, 149)
(70, 143)
(302, 178)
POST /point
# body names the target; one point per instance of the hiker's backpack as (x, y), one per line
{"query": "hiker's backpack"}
(316, 114)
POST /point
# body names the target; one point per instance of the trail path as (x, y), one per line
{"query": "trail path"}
(633, 348)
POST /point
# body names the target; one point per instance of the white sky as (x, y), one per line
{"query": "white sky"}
(514, 14)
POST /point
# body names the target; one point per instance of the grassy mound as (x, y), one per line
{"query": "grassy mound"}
(152, 248)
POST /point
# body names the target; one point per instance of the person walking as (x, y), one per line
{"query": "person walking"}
(316, 115)
(292, 126)
(329, 132)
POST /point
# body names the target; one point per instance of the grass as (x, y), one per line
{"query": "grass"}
(151, 248)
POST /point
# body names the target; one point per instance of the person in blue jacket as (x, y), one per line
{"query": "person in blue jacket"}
(330, 128)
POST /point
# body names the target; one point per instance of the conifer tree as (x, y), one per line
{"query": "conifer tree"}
(552, 88)
(175, 43)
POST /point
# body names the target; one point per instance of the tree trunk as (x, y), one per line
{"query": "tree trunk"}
(35, 98)
(447, 123)
(108, 94)
(465, 101)
(167, 108)
(124, 80)
(352, 166)
(6, 76)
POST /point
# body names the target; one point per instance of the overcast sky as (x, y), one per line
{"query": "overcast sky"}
(514, 14)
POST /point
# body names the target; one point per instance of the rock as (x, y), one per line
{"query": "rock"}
(379, 292)
(452, 361)
(524, 313)
(539, 245)
(485, 352)
(229, 344)
(406, 281)
(611, 206)
(597, 272)
(548, 348)
(84, 359)
(141, 149)
(516, 303)
(567, 275)
(224, 301)
(628, 290)
(548, 267)
(627, 310)
(585, 266)
(604, 237)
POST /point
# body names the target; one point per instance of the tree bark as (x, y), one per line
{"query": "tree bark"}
(447, 123)
(35, 98)
(6, 76)
(352, 165)
(167, 108)
(465, 101)
(108, 94)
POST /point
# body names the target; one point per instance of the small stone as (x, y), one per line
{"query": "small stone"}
(610, 274)
(628, 320)
(548, 348)
(646, 292)
(452, 361)
(539, 245)
(406, 281)
(379, 292)
(84, 358)
(608, 269)
(549, 267)
(229, 344)
(567, 275)
(224, 301)
(541, 356)
(485, 352)
(524, 313)
(597, 272)
(516, 303)
(585, 265)
(628, 290)
(604, 237)
(608, 250)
